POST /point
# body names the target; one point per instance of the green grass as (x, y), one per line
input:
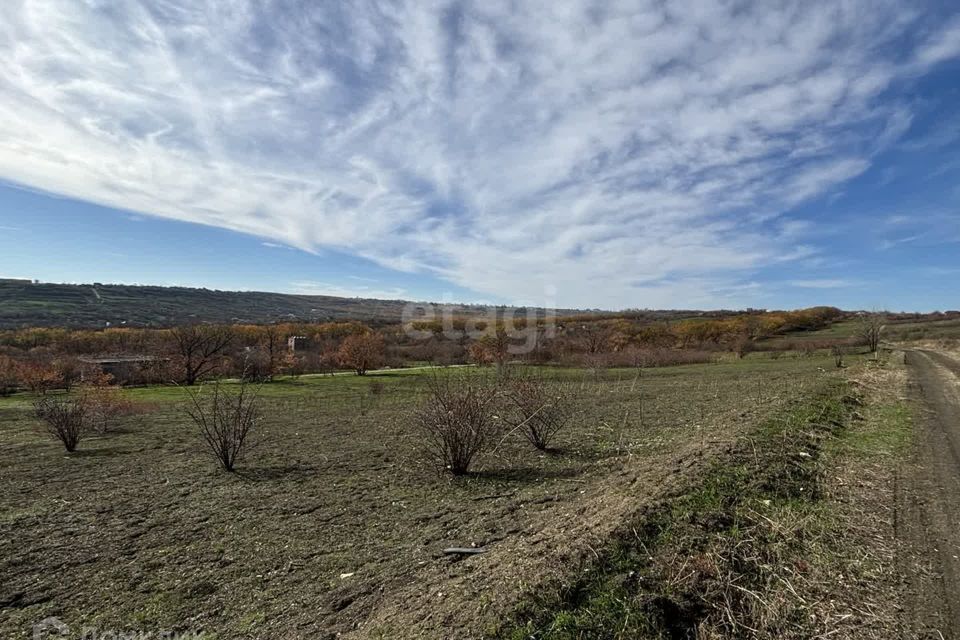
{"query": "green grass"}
(887, 433)
(894, 331)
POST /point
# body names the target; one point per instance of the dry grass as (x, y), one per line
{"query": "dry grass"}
(792, 538)
(137, 531)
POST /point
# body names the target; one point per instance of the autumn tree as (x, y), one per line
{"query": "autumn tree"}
(38, 377)
(273, 343)
(479, 353)
(362, 352)
(595, 337)
(9, 379)
(198, 348)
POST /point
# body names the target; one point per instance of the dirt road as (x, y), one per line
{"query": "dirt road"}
(928, 510)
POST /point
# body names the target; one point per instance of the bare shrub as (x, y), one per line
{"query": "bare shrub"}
(743, 345)
(869, 330)
(225, 420)
(65, 419)
(837, 351)
(540, 410)
(456, 421)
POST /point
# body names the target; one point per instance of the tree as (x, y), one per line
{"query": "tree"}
(198, 347)
(869, 329)
(273, 345)
(38, 377)
(595, 337)
(362, 352)
(9, 377)
(491, 348)
(480, 354)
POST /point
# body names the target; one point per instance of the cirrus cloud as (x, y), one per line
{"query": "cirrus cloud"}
(622, 152)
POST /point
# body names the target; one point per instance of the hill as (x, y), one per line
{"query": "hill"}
(26, 304)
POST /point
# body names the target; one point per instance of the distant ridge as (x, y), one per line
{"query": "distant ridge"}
(26, 304)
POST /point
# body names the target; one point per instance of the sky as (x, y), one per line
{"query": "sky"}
(681, 154)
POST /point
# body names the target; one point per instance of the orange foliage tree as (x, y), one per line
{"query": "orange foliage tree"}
(362, 352)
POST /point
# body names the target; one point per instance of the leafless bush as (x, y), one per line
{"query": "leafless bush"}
(837, 351)
(870, 327)
(225, 420)
(456, 421)
(743, 345)
(540, 410)
(65, 419)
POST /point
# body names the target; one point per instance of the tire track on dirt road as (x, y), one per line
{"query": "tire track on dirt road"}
(928, 501)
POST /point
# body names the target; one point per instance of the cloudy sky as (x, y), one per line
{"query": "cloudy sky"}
(591, 154)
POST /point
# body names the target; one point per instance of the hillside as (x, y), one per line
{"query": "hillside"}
(67, 305)
(81, 306)
(23, 304)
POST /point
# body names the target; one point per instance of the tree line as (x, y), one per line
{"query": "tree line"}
(40, 359)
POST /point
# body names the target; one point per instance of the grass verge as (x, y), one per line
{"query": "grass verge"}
(752, 551)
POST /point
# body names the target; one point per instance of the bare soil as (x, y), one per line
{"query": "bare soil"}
(928, 501)
(334, 524)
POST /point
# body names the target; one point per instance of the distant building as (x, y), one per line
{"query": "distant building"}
(124, 369)
(297, 343)
(16, 281)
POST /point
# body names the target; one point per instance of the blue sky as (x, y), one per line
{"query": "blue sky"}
(578, 154)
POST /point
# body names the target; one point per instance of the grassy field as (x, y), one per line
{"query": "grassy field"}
(335, 522)
(893, 332)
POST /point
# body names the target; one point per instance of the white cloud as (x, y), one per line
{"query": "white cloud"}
(310, 288)
(822, 283)
(628, 154)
